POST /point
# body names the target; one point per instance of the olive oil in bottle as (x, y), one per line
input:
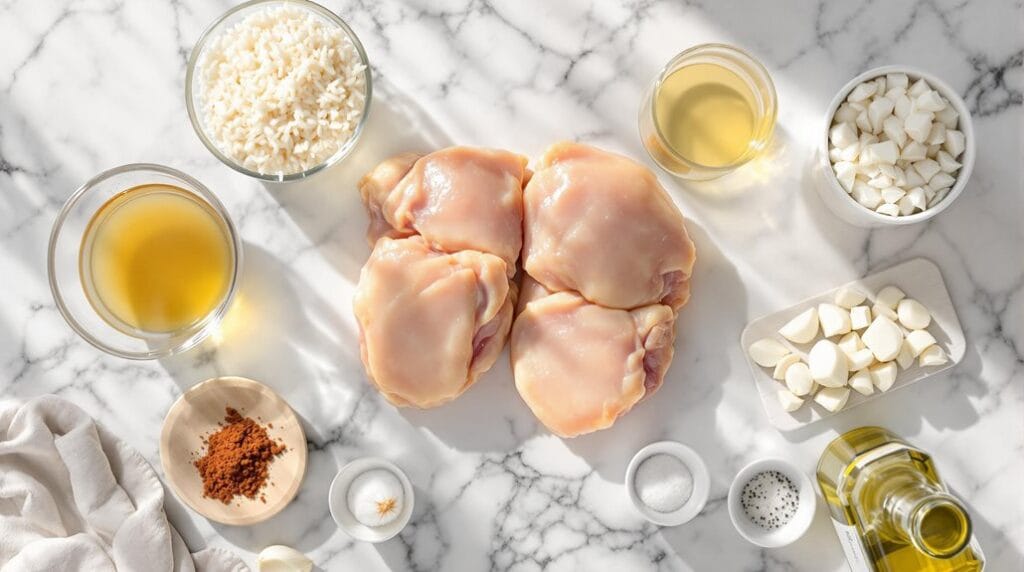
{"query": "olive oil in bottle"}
(890, 508)
(156, 259)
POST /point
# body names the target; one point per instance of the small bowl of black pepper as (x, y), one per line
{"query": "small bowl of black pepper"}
(771, 502)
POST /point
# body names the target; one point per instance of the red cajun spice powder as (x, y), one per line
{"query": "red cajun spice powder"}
(237, 459)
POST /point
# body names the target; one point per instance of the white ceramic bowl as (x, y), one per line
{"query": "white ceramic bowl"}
(843, 205)
(787, 533)
(338, 501)
(701, 483)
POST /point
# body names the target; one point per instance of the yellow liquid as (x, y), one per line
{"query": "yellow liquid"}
(157, 259)
(706, 114)
(855, 485)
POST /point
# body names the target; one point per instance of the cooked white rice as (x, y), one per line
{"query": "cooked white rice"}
(281, 91)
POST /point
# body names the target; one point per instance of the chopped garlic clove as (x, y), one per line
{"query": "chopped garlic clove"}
(850, 343)
(783, 364)
(878, 110)
(884, 338)
(892, 195)
(918, 341)
(802, 328)
(861, 359)
(955, 143)
(930, 101)
(832, 398)
(947, 163)
(933, 356)
(914, 151)
(918, 125)
(862, 92)
(927, 168)
(861, 382)
(918, 89)
(767, 352)
(888, 209)
(845, 134)
(906, 356)
(947, 116)
(883, 375)
(893, 129)
(798, 379)
(828, 364)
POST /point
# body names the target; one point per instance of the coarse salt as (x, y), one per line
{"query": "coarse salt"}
(663, 483)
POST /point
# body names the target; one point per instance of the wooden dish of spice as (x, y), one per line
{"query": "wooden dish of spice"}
(233, 450)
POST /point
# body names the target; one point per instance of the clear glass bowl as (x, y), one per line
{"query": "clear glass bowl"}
(65, 253)
(750, 71)
(193, 84)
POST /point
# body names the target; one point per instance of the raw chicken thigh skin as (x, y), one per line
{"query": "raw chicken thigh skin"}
(430, 323)
(600, 224)
(579, 365)
(459, 198)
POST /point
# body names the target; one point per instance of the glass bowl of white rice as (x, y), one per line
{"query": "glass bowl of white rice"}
(278, 89)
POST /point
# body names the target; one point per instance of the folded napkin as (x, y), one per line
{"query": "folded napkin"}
(74, 497)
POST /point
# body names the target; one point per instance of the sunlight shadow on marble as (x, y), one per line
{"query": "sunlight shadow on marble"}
(686, 405)
(327, 207)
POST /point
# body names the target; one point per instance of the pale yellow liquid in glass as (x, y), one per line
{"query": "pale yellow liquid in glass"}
(156, 259)
(706, 114)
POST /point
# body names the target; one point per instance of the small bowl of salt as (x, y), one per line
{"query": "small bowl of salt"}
(771, 502)
(668, 483)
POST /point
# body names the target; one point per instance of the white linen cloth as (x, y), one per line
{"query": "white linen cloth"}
(74, 497)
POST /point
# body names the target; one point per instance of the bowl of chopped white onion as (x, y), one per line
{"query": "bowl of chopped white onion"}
(278, 89)
(898, 148)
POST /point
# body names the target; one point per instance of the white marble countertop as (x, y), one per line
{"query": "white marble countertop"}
(90, 84)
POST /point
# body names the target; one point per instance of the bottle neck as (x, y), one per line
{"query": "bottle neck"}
(934, 521)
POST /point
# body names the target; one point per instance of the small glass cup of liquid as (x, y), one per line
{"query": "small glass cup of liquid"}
(710, 110)
(143, 261)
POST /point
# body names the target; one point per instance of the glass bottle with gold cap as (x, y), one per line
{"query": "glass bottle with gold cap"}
(890, 508)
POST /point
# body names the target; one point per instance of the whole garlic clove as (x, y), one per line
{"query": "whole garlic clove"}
(918, 341)
(933, 356)
(913, 315)
(860, 317)
(767, 352)
(884, 338)
(849, 297)
(834, 320)
(802, 328)
(279, 558)
(832, 398)
(789, 401)
(828, 364)
(861, 382)
(883, 375)
(783, 364)
(890, 296)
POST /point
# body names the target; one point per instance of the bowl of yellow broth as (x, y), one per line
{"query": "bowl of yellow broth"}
(143, 261)
(711, 109)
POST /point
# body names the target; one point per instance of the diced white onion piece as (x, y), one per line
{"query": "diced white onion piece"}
(916, 198)
(897, 80)
(918, 341)
(850, 343)
(913, 151)
(885, 152)
(947, 116)
(849, 297)
(893, 129)
(878, 110)
(927, 168)
(888, 209)
(828, 364)
(932, 151)
(845, 134)
(849, 154)
(937, 135)
(880, 86)
(835, 154)
(933, 356)
(860, 359)
(906, 356)
(846, 114)
(890, 296)
(913, 315)
(802, 328)
(918, 125)
(832, 398)
(947, 163)
(942, 180)
(861, 382)
(883, 337)
(789, 401)
(906, 207)
(955, 143)
(880, 181)
(767, 352)
(863, 122)
(883, 375)
(939, 195)
(919, 88)
(914, 179)
(783, 364)
(862, 91)
(892, 194)
(846, 173)
(866, 195)
(798, 379)
(860, 317)
(930, 101)
(834, 320)
(903, 107)
(899, 177)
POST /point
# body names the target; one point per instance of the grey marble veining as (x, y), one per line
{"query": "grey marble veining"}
(89, 84)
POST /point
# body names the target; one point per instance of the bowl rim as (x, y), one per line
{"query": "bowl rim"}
(193, 113)
(337, 502)
(966, 126)
(203, 329)
(795, 528)
(701, 483)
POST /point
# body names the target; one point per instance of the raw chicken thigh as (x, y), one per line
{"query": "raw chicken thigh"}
(459, 198)
(579, 366)
(601, 224)
(430, 323)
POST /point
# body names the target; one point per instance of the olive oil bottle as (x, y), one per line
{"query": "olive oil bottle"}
(890, 508)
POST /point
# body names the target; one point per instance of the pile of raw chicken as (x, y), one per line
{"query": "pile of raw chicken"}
(606, 264)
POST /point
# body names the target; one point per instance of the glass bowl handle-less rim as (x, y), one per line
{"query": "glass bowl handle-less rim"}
(64, 271)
